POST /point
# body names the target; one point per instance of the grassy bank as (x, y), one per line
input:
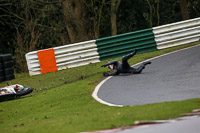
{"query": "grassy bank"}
(62, 102)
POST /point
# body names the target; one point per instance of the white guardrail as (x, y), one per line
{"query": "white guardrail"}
(177, 33)
(67, 56)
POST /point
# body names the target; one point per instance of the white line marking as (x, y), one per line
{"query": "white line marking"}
(94, 94)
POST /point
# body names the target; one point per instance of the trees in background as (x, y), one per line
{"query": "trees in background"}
(28, 25)
(113, 17)
(76, 16)
(154, 16)
(184, 9)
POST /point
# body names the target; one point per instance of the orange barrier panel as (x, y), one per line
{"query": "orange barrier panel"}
(47, 61)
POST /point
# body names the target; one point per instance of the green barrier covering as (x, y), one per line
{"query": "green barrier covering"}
(120, 45)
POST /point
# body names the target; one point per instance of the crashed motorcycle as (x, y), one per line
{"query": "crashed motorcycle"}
(13, 91)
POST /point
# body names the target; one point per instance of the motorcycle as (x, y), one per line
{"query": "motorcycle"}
(13, 91)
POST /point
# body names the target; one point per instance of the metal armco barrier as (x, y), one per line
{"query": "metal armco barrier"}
(6, 67)
(94, 51)
(177, 33)
(63, 57)
(120, 45)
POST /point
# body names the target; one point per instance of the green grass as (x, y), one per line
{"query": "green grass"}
(62, 102)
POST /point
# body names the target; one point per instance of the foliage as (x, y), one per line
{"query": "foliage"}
(28, 25)
(30, 22)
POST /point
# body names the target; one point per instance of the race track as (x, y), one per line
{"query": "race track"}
(171, 77)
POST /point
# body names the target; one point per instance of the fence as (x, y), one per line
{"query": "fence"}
(119, 45)
(94, 51)
(62, 57)
(177, 33)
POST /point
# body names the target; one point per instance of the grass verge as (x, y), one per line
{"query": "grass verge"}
(62, 102)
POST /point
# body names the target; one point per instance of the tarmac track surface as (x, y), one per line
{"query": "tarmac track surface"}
(187, 125)
(172, 77)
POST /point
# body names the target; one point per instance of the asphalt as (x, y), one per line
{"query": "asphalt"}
(172, 77)
(189, 125)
